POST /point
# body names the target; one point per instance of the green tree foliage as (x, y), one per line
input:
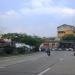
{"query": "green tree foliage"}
(24, 38)
(68, 38)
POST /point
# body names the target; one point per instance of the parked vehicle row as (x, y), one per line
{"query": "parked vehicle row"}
(57, 49)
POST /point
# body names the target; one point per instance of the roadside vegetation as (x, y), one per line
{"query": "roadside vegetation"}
(68, 41)
(28, 44)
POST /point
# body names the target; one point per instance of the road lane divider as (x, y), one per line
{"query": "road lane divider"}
(41, 73)
(51, 66)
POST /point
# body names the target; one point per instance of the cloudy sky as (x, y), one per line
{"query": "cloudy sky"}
(36, 17)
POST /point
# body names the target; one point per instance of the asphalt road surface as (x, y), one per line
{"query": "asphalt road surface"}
(59, 63)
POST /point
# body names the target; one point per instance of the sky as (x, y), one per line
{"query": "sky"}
(36, 17)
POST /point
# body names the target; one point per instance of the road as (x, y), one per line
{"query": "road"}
(59, 63)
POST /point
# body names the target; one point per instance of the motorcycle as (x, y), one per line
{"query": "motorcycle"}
(74, 53)
(48, 53)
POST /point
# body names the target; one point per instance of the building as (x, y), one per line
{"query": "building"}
(55, 42)
(65, 30)
(51, 42)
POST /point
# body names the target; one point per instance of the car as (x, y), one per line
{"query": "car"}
(67, 49)
(53, 49)
(70, 49)
(59, 49)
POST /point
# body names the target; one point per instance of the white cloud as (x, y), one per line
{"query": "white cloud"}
(49, 10)
(41, 11)
(37, 3)
(11, 13)
(68, 11)
(44, 7)
(40, 3)
(20, 20)
(35, 7)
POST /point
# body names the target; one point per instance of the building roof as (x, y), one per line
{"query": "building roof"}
(65, 25)
(52, 39)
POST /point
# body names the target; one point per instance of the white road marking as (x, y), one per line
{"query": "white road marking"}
(44, 71)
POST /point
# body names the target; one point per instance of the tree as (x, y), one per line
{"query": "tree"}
(67, 41)
(68, 38)
(24, 38)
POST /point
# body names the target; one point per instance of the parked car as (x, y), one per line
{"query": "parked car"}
(59, 49)
(69, 49)
(53, 49)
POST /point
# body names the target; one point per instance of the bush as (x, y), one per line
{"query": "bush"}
(21, 50)
(9, 49)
